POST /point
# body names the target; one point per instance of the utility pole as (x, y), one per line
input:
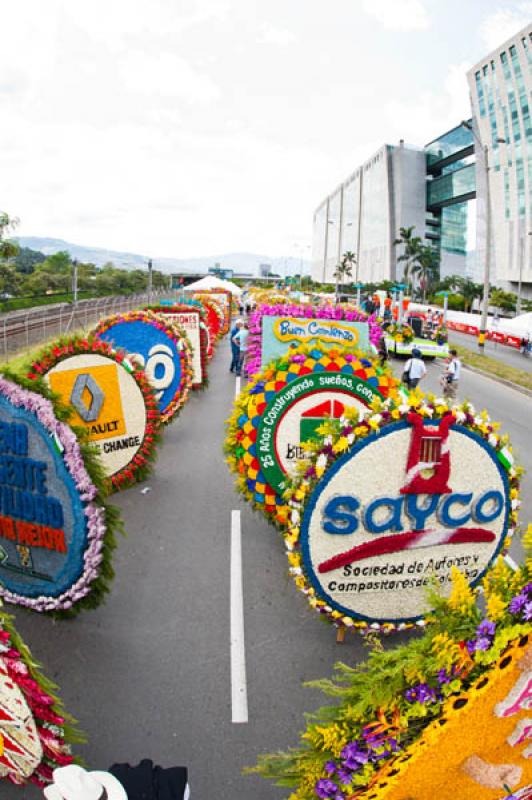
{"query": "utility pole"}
(150, 280)
(486, 291)
(74, 281)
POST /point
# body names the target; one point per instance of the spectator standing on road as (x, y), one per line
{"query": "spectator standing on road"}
(415, 370)
(451, 376)
(235, 349)
(241, 340)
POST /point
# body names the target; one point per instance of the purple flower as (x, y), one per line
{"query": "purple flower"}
(326, 788)
(330, 767)
(422, 693)
(517, 604)
(344, 775)
(483, 643)
(354, 756)
(527, 612)
(443, 677)
(486, 628)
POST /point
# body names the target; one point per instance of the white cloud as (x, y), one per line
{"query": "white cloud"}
(168, 75)
(399, 15)
(420, 119)
(504, 23)
(276, 36)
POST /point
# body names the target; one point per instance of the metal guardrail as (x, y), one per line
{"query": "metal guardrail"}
(31, 326)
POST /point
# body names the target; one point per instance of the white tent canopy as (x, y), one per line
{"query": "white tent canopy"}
(521, 324)
(212, 282)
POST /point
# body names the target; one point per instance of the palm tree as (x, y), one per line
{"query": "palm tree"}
(344, 269)
(426, 267)
(468, 290)
(412, 245)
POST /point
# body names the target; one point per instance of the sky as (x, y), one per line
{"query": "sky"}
(185, 128)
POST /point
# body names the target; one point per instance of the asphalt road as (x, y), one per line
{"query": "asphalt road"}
(148, 674)
(500, 352)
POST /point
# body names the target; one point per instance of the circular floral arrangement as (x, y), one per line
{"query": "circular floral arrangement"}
(100, 520)
(139, 465)
(400, 333)
(348, 434)
(184, 308)
(173, 394)
(338, 313)
(443, 715)
(224, 305)
(265, 388)
(35, 732)
(214, 319)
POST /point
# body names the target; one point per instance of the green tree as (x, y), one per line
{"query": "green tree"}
(27, 259)
(8, 247)
(345, 268)
(469, 290)
(426, 267)
(411, 248)
(10, 280)
(503, 301)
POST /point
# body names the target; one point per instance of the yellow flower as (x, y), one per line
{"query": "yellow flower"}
(301, 582)
(495, 607)
(396, 414)
(341, 445)
(294, 559)
(462, 598)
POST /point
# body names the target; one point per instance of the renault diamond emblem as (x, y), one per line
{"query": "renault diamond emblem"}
(91, 412)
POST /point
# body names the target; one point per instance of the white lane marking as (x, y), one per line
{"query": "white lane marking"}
(237, 385)
(239, 692)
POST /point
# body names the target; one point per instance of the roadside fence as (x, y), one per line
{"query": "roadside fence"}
(31, 326)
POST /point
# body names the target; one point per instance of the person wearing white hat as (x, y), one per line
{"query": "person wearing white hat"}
(75, 783)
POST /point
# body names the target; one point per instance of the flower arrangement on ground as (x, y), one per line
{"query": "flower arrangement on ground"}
(361, 546)
(283, 405)
(124, 409)
(161, 349)
(33, 521)
(303, 310)
(197, 333)
(35, 732)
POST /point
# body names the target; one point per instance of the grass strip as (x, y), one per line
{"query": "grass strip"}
(491, 366)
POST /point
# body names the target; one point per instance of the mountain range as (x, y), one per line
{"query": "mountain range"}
(239, 262)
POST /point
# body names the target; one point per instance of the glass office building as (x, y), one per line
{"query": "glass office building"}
(501, 87)
(451, 202)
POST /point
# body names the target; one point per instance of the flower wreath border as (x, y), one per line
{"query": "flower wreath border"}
(211, 305)
(57, 730)
(183, 308)
(226, 317)
(308, 311)
(243, 424)
(140, 466)
(173, 332)
(102, 520)
(343, 436)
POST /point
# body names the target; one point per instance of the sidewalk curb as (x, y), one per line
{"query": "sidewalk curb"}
(497, 379)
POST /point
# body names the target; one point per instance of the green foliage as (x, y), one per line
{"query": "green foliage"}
(27, 259)
(504, 301)
(8, 247)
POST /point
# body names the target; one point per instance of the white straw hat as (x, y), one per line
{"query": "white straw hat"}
(75, 783)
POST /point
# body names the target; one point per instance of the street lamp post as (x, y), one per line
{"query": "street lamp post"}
(521, 263)
(486, 290)
(150, 280)
(75, 281)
